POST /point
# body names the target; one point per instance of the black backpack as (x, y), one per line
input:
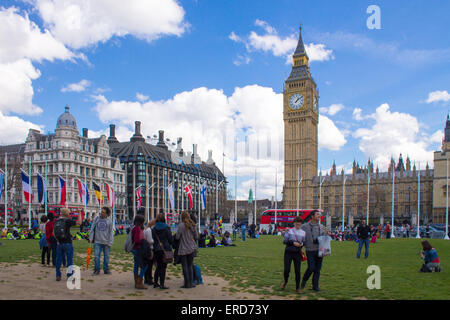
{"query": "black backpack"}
(59, 230)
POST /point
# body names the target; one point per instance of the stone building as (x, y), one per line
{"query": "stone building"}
(66, 154)
(301, 117)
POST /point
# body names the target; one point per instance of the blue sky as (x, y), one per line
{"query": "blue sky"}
(205, 67)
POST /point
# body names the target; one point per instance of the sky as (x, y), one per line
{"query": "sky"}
(212, 72)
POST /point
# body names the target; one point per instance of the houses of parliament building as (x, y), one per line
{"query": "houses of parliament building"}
(301, 119)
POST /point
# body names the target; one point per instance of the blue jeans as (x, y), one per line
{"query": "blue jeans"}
(234, 234)
(314, 267)
(64, 252)
(137, 265)
(360, 244)
(98, 248)
(243, 235)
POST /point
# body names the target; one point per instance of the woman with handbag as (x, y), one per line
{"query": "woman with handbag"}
(188, 236)
(162, 246)
(137, 234)
(293, 239)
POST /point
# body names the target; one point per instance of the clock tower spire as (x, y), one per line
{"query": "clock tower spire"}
(301, 119)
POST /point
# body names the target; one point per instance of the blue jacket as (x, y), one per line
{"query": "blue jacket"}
(430, 255)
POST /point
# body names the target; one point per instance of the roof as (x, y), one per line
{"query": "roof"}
(66, 119)
(13, 148)
(373, 176)
(299, 73)
(300, 50)
(134, 151)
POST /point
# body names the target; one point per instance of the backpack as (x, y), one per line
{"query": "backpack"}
(59, 230)
(129, 244)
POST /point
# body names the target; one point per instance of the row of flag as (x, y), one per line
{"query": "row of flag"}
(187, 189)
(42, 190)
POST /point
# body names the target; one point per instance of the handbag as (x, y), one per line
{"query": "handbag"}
(167, 254)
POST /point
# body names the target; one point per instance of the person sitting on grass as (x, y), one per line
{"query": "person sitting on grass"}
(212, 241)
(430, 257)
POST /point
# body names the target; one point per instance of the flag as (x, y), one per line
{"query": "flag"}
(188, 190)
(26, 187)
(2, 178)
(98, 193)
(83, 192)
(138, 197)
(203, 192)
(42, 189)
(171, 196)
(110, 194)
(62, 191)
(250, 196)
(220, 222)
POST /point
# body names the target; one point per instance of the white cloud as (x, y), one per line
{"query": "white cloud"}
(16, 90)
(21, 43)
(280, 46)
(22, 38)
(141, 97)
(241, 60)
(357, 114)
(15, 130)
(437, 96)
(333, 109)
(84, 23)
(330, 137)
(394, 133)
(76, 87)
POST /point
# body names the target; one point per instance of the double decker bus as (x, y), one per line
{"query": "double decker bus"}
(284, 218)
(74, 211)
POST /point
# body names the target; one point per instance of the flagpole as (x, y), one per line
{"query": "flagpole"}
(255, 201)
(134, 192)
(46, 167)
(392, 229)
(67, 185)
(446, 205)
(235, 195)
(418, 203)
(217, 188)
(30, 197)
(85, 196)
(6, 191)
(113, 196)
(199, 195)
(276, 184)
(147, 194)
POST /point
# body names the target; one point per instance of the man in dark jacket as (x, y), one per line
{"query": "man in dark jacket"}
(161, 236)
(363, 233)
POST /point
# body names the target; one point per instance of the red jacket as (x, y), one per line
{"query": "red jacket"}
(49, 230)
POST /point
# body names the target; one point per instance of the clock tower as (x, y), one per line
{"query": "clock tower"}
(301, 119)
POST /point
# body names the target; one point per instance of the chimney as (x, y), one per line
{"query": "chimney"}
(137, 132)
(85, 132)
(112, 134)
(195, 157)
(161, 143)
(210, 161)
(179, 149)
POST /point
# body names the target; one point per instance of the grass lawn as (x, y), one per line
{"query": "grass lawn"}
(256, 266)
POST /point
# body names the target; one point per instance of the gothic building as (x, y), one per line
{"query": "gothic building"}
(337, 192)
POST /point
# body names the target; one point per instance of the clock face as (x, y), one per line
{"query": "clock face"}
(296, 101)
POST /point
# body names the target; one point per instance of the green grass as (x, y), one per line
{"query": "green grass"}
(256, 266)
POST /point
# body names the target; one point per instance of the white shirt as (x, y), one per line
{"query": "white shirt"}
(148, 236)
(298, 235)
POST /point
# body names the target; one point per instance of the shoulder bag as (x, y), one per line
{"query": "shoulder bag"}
(167, 254)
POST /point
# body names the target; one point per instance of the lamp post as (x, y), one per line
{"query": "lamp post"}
(298, 184)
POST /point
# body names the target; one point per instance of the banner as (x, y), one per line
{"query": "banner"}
(26, 187)
(250, 196)
(111, 196)
(2, 179)
(98, 193)
(42, 189)
(203, 192)
(188, 190)
(171, 196)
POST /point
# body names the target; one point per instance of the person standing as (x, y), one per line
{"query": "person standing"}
(61, 231)
(163, 241)
(388, 230)
(102, 236)
(293, 239)
(313, 229)
(363, 233)
(187, 249)
(243, 231)
(43, 242)
(148, 236)
(137, 234)
(51, 240)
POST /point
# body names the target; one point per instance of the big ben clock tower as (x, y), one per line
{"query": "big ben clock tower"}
(301, 119)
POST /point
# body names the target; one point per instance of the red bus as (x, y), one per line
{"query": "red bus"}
(285, 217)
(74, 211)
